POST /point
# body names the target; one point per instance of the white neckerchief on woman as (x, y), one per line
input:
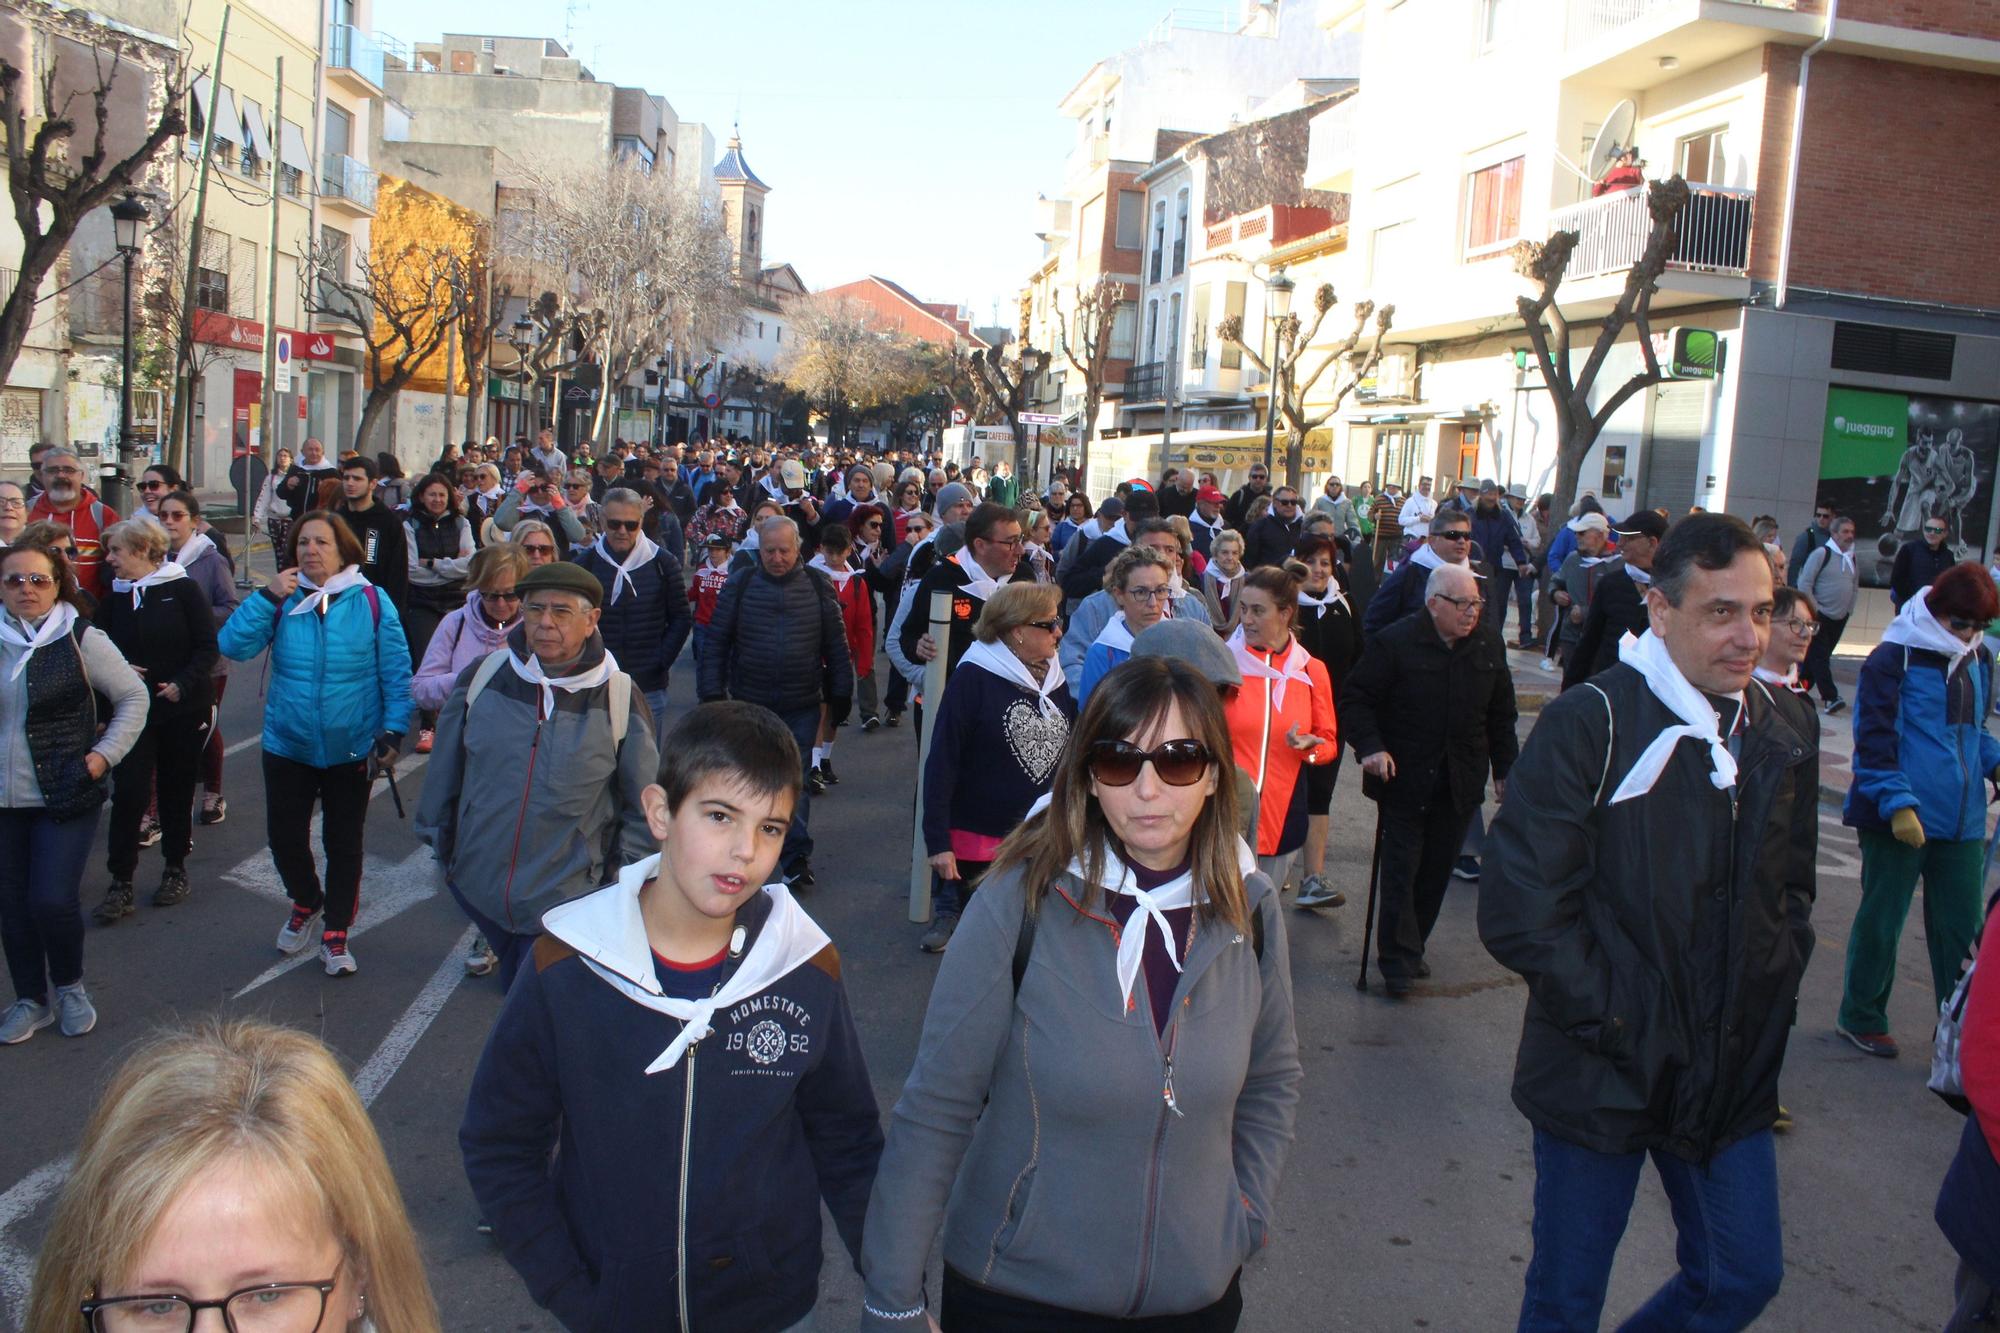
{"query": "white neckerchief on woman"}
(1915, 627)
(54, 625)
(350, 577)
(531, 671)
(167, 572)
(197, 546)
(1790, 680)
(1319, 604)
(840, 577)
(1000, 661)
(1150, 910)
(1647, 655)
(1116, 634)
(643, 550)
(1279, 671)
(1225, 584)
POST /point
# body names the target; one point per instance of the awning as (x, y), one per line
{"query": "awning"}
(292, 148)
(228, 121)
(256, 135)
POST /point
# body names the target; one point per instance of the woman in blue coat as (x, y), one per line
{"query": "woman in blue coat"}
(336, 712)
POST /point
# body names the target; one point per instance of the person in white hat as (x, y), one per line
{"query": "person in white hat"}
(1574, 583)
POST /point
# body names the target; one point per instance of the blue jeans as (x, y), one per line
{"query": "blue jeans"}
(41, 920)
(1731, 1250)
(804, 726)
(509, 949)
(657, 701)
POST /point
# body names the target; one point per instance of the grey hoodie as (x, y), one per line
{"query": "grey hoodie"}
(1075, 1185)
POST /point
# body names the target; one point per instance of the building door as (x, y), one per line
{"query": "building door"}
(1673, 447)
(1397, 454)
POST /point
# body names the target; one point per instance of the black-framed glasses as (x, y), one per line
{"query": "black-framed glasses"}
(152, 485)
(1052, 626)
(1456, 535)
(622, 524)
(1177, 763)
(1805, 629)
(1148, 595)
(1462, 603)
(268, 1307)
(1284, 500)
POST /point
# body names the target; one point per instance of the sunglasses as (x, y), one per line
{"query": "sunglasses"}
(1176, 763)
(1959, 623)
(152, 485)
(1462, 535)
(576, 486)
(536, 548)
(28, 580)
(1936, 532)
(1052, 626)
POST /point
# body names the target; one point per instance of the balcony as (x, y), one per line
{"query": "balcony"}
(346, 185)
(354, 60)
(1714, 232)
(1146, 384)
(1621, 43)
(1332, 143)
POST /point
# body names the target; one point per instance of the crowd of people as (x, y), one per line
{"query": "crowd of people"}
(1147, 698)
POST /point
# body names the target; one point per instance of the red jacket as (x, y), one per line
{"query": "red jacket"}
(86, 524)
(857, 616)
(1979, 1040)
(705, 587)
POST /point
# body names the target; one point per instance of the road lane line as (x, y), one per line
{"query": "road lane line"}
(243, 745)
(416, 1020)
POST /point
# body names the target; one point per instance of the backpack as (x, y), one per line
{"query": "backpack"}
(1946, 1080)
(1024, 942)
(620, 701)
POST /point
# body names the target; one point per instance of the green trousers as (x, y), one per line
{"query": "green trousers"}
(1952, 903)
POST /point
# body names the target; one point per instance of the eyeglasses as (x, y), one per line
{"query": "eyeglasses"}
(12, 502)
(62, 471)
(539, 548)
(1464, 604)
(1456, 535)
(28, 580)
(177, 515)
(1052, 626)
(560, 614)
(1014, 540)
(622, 524)
(269, 1307)
(501, 595)
(1805, 629)
(152, 485)
(1934, 530)
(1176, 763)
(576, 485)
(1822, 513)
(1287, 502)
(1146, 594)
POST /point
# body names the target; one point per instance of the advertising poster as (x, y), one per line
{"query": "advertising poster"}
(1891, 460)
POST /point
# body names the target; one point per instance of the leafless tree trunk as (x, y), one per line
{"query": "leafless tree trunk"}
(1095, 314)
(1008, 375)
(1293, 344)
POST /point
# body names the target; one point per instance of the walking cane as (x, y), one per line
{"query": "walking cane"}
(1368, 921)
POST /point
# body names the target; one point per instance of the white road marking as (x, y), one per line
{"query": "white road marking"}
(412, 881)
(17, 1267)
(410, 1028)
(242, 745)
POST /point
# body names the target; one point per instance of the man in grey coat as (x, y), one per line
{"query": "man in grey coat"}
(541, 753)
(1829, 575)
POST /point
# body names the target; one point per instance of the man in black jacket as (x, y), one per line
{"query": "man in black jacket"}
(1237, 511)
(384, 542)
(1430, 710)
(1271, 538)
(645, 619)
(1651, 876)
(1917, 563)
(1618, 603)
(991, 556)
(1406, 591)
(777, 639)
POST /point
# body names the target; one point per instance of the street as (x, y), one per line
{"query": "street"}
(1408, 1196)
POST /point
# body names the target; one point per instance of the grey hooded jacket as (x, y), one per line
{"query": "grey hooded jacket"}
(1075, 1185)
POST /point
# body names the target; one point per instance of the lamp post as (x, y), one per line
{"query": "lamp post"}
(127, 216)
(521, 337)
(1278, 300)
(661, 367)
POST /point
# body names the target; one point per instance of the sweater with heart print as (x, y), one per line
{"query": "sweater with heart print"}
(994, 754)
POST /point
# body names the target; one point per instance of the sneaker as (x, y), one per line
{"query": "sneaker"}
(1836, 706)
(1783, 1124)
(298, 929)
(173, 889)
(333, 953)
(23, 1020)
(214, 809)
(149, 832)
(117, 904)
(1466, 868)
(1879, 1044)
(425, 737)
(800, 876)
(939, 934)
(1316, 892)
(870, 722)
(73, 1007)
(816, 782)
(480, 959)
(893, 718)
(1549, 665)
(826, 771)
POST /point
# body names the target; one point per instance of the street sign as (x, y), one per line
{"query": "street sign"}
(958, 417)
(1040, 419)
(282, 380)
(711, 400)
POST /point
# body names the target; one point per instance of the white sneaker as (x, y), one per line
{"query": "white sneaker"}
(337, 963)
(296, 933)
(23, 1019)
(480, 959)
(1549, 665)
(74, 1009)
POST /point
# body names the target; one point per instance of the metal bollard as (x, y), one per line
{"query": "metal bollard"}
(934, 678)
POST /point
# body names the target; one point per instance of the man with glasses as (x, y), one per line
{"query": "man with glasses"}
(645, 617)
(1271, 538)
(1237, 511)
(542, 751)
(1919, 563)
(1430, 710)
(66, 501)
(1404, 592)
(1814, 537)
(13, 511)
(1832, 581)
(991, 556)
(1618, 600)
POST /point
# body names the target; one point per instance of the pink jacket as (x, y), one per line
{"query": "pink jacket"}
(462, 638)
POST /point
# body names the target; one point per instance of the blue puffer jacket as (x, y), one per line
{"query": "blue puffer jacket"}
(1920, 740)
(338, 679)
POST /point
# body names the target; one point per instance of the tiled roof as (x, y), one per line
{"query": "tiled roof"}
(732, 167)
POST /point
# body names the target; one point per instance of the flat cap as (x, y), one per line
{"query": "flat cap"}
(562, 576)
(1192, 644)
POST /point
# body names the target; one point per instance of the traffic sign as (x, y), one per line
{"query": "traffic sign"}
(711, 400)
(282, 381)
(1040, 419)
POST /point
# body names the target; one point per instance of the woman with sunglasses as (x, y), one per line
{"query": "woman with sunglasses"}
(53, 670)
(1282, 720)
(536, 540)
(1108, 1077)
(440, 545)
(589, 513)
(909, 502)
(1139, 580)
(230, 1178)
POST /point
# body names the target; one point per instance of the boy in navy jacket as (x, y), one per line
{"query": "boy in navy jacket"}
(683, 1042)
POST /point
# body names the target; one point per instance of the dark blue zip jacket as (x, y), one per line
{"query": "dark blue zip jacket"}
(784, 1115)
(645, 628)
(1920, 741)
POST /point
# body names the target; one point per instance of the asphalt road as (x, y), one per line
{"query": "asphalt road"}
(1408, 1197)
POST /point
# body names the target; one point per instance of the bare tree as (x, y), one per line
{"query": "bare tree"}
(1095, 313)
(836, 359)
(1294, 343)
(1544, 264)
(1008, 374)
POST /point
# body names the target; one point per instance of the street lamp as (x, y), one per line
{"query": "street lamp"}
(521, 337)
(1278, 300)
(127, 216)
(660, 367)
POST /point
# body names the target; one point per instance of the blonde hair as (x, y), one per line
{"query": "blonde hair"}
(138, 536)
(1130, 560)
(191, 1099)
(1013, 605)
(493, 564)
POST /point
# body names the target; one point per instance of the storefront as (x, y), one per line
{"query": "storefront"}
(229, 400)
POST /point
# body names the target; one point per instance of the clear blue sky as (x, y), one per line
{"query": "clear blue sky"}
(901, 137)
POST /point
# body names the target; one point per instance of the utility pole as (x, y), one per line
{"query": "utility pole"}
(184, 341)
(263, 453)
(450, 357)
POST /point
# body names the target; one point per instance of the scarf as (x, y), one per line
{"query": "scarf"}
(840, 577)
(1425, 558)
(531, 671)
(1915, 627)
(1846, 557)
(976, 582)
(316, 594)
(1150, 910)
(1116, 635)
(1224, 584)
(1279, 672)
(1214, 529)
(1001, 662)
(1117, 530)
(1319, 604)
(197, 546)
(1647, 655)
(1790, 680)
(166, 573)
(642, 552)
(1642, 577)
(54, 625)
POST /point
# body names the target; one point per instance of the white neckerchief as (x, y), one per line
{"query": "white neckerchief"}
(1200, 522)
(1915, 627)
(1846, 557)
(1586, 561)
(1001, 662)
(1319, 604)
(1642, 577)
(1225, 583)
(609, 934)
(54, 625)
(1116, 634)
(976, 581)
(1279, 671)
(197, 546)
(492, 495)
(1790, 680)
(1425, 558)
(350, 577)
(643, 550)
(167, 572)
(1118, 530)
(1150, 910)
(1647, 655)
(531, 671)
(840, 577)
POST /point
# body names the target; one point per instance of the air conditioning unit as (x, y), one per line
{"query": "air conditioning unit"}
(1393, 380)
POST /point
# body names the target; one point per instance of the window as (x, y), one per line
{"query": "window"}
(1131, 219)
(211, 274)
(486, 45)
(1497, 20)
(1173, 328)
(1394, 249)
(1124, 330)
(752, 232)
(1232, 308)
(1152, 331)
(335, 244)
(1700, 158)
(1159, 237)
(339, 130)
(1493, 206)
(291, 180)
(1180, 234)
(1198, 341)
(1110, 109)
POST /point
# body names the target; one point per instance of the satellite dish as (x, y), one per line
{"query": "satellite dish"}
(1614, 138)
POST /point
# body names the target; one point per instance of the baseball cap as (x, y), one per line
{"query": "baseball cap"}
(1643, 523)
(793, 473)
(1590, 523)
(717, 539)
(1210, 495)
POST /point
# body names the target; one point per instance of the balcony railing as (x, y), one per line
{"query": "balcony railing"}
(342, 179)
(1147, 383)
(349, 48)
(1713, 232)
(1590, 20)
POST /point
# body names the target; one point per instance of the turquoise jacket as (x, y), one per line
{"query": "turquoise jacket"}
(338, 678)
